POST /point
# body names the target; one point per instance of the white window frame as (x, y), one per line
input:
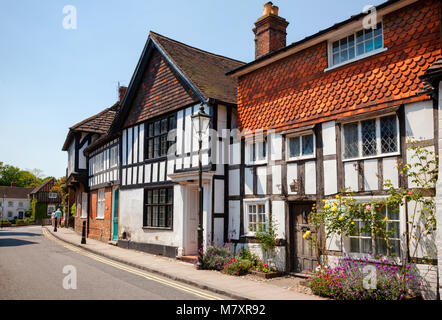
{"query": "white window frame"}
(331, 66)
(113, 157)
(52, 195)
(300, 157)
(10, 204)
(247, 203)
(378, 139)
(100, 203)
(249, 152)
(402, 226)
(84, 204)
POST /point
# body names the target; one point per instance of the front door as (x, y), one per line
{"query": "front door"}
(191, 222)
(115, 218)
(302, 255)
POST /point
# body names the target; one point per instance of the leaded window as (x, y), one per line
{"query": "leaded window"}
(158, 208)
(389, 142)
(157, 144)
(368, 137)
(371, 137)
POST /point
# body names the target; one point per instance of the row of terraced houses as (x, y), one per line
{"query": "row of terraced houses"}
(299, 124)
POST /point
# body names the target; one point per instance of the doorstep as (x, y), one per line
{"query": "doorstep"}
(188, 259)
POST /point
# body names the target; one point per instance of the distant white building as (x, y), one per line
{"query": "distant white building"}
(14, 202)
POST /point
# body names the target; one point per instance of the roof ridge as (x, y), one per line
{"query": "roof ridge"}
(89, 119)
(41, 185)
(195, 48)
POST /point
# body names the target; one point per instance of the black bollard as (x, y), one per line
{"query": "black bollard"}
(83, 233)
(55, 225)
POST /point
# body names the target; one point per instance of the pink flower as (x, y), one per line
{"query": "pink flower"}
(368, 207)
(410, 193)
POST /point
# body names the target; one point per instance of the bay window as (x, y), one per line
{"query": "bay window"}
(371, 138)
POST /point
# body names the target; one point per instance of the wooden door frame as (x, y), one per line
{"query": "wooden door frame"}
(291, 246)
(113, 190)
(190, 191)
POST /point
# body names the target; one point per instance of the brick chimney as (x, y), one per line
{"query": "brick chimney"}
(121, 92)
(270, 31)
(13, 184)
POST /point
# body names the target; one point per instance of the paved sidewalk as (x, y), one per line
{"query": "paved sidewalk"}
(234, 287)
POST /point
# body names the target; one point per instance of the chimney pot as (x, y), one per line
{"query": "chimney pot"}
(267, 9)
(275, 10)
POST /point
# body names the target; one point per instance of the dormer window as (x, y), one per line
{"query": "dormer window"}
(357, 45)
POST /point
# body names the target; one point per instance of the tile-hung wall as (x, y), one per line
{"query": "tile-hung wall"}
(104, 165)
(315, 162)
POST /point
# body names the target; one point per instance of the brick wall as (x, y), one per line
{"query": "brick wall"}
(100, 229)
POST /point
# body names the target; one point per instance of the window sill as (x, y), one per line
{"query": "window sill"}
(383, 155)
(158, 228)
(99, 218)
(366, 55)
(301, 158)
(371, 259)
(257, 163)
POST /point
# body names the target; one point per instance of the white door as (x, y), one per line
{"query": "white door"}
(191, 222)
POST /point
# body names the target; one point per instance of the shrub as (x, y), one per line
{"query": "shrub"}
(237, 266)
(346, 281)
(246, 254)
(214, 257)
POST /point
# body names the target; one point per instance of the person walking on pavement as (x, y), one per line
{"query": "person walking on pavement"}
(57, 218)
(53, 218)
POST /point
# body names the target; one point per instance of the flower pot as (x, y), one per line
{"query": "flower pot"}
(267, 275)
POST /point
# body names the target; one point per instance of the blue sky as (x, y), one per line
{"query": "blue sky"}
(52, 78)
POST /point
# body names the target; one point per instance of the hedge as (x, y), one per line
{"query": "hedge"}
(39, 210)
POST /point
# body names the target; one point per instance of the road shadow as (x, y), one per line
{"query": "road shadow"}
(18, 234)
(9, 242)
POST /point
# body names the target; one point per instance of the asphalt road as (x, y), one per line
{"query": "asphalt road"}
(31, 267)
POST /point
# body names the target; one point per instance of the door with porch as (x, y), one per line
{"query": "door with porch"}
(115, 216)
(302, 256)
(191, 222)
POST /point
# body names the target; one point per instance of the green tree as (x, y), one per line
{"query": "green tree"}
(22, 178)
(8, 174)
